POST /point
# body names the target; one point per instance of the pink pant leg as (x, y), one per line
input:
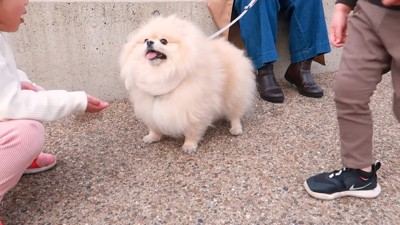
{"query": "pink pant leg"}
(21, 141)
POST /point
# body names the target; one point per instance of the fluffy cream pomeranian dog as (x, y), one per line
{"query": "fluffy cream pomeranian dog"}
(180, 82)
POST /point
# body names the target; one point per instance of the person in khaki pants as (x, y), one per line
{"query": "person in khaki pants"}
(308, 40)
(371, 49)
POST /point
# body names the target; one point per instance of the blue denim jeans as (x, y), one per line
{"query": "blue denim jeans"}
(308, 35)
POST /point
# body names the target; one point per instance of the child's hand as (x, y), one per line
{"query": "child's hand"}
(25, 85)
(338, 29)
(95, 105)
(391, 2)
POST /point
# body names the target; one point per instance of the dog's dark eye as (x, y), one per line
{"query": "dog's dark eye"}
(145, 40)
(163, 41)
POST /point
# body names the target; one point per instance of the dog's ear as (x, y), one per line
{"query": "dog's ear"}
(126, 51)
(132, 34)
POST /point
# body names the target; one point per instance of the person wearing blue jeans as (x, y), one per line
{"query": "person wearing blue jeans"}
(308, 38)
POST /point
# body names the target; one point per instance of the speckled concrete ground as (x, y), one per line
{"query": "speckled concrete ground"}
(107, 175)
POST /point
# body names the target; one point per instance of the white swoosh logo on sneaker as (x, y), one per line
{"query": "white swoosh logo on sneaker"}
(352, 188)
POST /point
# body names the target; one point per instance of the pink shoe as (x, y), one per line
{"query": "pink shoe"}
(42, 163)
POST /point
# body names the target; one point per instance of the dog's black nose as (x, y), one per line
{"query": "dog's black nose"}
(149, 43)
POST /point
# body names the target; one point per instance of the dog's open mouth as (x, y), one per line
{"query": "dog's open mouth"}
(152, 55)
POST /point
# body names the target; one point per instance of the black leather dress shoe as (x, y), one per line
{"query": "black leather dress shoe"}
(267, 86)
(300, 75)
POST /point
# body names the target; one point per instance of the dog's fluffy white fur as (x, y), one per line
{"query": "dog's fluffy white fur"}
(180, 82)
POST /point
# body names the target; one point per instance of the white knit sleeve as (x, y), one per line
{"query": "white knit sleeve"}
(42, 106)
(22, 76)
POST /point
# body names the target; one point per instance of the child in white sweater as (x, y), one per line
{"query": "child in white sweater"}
(24, 105)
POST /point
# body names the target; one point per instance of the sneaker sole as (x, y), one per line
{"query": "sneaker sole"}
(38, 170)
(359, 194)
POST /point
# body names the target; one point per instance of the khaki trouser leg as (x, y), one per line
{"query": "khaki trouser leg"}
(365, 58)
(394, 51)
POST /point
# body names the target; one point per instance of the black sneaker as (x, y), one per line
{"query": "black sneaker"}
(344, 182)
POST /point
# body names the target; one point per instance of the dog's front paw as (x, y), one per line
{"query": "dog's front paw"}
(150, 138)
(236, 127)
(236, 131)
(188, 148)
